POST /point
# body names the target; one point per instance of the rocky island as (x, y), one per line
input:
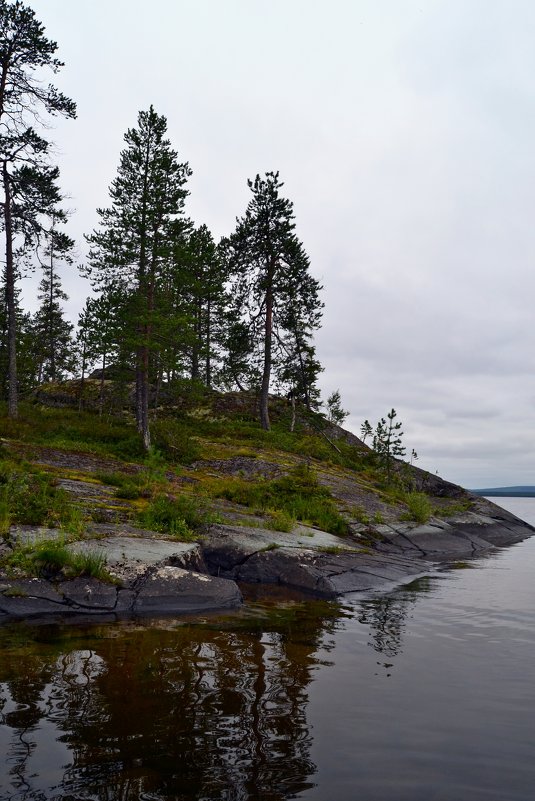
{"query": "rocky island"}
(90, 527)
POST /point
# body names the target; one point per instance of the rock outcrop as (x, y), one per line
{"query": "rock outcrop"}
(153, 574)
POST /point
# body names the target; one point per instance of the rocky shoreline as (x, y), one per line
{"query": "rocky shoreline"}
(152, 575)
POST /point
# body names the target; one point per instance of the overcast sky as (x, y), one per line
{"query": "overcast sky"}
(405, 135)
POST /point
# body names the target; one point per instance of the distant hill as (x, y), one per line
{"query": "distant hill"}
(506, 492)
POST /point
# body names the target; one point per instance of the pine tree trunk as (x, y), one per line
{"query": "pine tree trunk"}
(101, 395)
(157, 389)
(82, 381)
(268, 333)
(145, 432)
(208, 368)
(304, 379)
(139, 390)
(12, 398)
(51, 343)
(196, 343)
(292, 424)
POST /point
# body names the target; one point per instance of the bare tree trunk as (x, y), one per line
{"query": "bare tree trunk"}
(12, 402)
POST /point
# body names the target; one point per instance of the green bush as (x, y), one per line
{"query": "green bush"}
(419, 507)
(174, 440)
(179, 517)
(129, 492)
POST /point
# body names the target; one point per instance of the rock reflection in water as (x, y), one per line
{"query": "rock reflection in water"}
(144, 713)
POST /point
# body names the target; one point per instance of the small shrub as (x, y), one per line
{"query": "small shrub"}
(174, 441)
(419, 507)
(378, 518)
(129, 492)
(155, 465)
(179, 517)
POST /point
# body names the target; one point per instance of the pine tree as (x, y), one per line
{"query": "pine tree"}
(270, 275)
(335, 413)
(27, 179)
(366, 430)
(100, 327)
(24, 344)
(202, 287)
(387, 441)
(238, 368)
(54, 345)
(130, 248)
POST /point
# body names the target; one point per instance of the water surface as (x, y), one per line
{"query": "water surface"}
(426, 693)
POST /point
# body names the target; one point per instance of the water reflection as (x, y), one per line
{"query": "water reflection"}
(143, 713)
(387, 618)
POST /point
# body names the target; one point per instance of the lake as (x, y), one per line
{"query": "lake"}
(426, 693)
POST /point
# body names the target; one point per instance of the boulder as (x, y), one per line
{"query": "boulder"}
(169, 589)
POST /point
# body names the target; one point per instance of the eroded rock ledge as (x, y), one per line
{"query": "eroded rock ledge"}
(156, 576)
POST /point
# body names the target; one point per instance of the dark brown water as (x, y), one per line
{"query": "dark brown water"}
(424, 694)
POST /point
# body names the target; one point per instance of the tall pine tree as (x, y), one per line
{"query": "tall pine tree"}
(54, 349)
(273, 291)
(27, 178)
(131, 245)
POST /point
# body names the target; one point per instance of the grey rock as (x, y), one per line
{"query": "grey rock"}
(89, 593)
(225, 548)
(171, 589)
(326, 575)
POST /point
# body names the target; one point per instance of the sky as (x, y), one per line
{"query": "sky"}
(405, 135)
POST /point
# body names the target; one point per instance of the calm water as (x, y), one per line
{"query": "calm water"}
(425, 694)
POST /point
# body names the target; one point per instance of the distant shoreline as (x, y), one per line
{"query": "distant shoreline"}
(504, 493)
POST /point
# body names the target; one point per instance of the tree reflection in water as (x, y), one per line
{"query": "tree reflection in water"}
(192, 712)
(386, 616)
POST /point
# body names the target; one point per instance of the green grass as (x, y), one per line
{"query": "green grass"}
(72, 430)
(455, 508)
(52, 558)
(361, 515)
(298, 495)
(279, 520)
(29, 496)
